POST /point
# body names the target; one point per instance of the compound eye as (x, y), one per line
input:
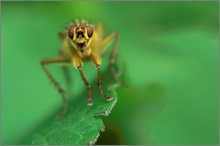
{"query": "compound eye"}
(71, 32)
(89, 31)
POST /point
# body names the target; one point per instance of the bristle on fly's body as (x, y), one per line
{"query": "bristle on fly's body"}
(78, 22)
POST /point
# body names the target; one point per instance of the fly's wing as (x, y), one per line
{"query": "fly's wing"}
(98, 38)
(107, 41)
(99, 29)
(104, 42)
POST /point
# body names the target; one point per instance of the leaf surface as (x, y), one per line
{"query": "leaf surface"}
(81, 124)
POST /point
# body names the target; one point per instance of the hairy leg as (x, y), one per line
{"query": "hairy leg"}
(57, 86)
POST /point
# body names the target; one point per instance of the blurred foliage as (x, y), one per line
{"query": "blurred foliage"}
(168, 51)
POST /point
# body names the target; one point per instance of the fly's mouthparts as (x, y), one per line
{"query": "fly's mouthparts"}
(81, 44)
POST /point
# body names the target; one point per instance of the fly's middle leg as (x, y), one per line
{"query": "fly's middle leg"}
(57, 86)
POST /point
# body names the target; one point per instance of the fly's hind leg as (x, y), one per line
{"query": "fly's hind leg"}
(66, 74)
(106, 41)
(57, 86)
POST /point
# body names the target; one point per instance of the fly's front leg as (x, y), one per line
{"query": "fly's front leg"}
(106, 41)
(95, 58)
(57, 86)
(87, 85)
(77, 63)
(99, 82)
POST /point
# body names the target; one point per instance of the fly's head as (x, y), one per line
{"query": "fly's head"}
(80, 35)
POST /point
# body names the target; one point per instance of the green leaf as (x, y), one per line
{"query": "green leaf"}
(81, 124)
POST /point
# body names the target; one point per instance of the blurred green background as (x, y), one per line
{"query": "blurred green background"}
(168, 52)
